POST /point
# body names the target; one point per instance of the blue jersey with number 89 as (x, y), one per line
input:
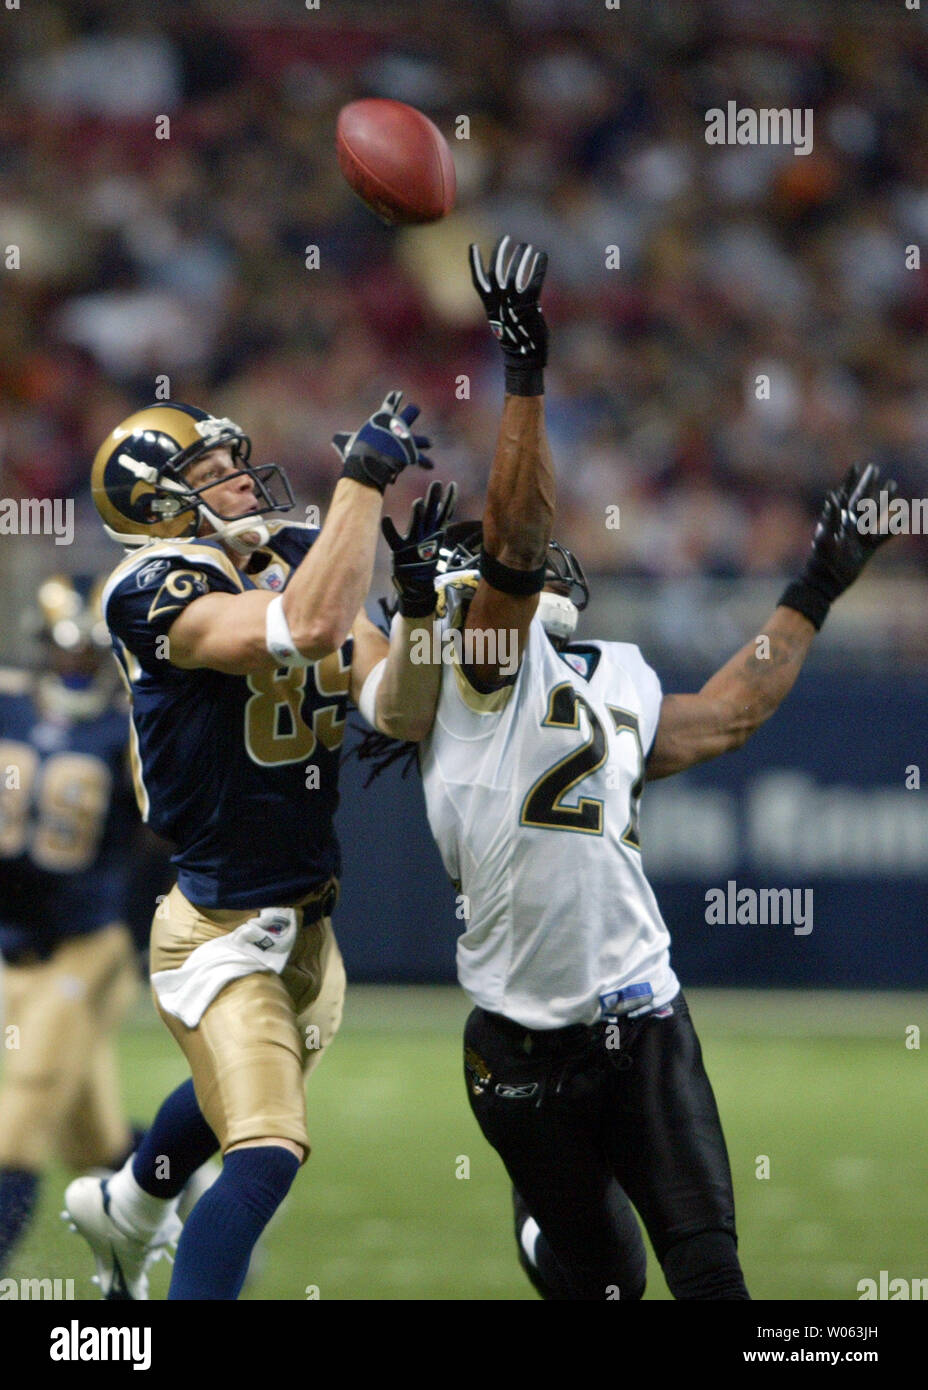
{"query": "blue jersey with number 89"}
(241, 772)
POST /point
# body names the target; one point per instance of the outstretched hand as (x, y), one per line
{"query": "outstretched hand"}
(415, 555)
(510, 288)
(377, 453)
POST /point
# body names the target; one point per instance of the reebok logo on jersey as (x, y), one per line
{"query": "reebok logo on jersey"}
(150, 573)
(522, 1092)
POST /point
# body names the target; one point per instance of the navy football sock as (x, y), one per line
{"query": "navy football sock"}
(19, 1191)
(178, 1134)
(224, 1226)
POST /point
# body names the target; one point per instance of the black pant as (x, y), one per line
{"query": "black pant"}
(587, 1128)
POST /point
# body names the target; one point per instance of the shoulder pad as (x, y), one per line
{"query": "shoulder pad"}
(148, 563)
(454, 594)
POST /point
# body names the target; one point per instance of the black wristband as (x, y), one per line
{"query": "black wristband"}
(807, 600)
(511, 581)
(419, 607)
(364, 470)
(525, 381)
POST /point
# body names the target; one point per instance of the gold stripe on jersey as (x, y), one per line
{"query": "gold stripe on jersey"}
(128, 675)
(191, 551)
(468, 580)
(138, 781)
(480, 702)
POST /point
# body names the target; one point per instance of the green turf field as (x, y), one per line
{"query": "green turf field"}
(822, 1084)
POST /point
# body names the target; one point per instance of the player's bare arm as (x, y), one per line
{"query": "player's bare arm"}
(736, 701)
(519, 509)
(404, 693)
(393, 687)
(229, 632)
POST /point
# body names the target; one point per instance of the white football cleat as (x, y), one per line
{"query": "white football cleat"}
(122, 1260)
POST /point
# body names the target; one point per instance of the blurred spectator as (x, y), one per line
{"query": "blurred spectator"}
(682, 275)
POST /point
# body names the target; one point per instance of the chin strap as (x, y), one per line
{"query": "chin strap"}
(233, 533)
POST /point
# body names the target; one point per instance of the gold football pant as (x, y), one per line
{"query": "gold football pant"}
(263, 1033)
(59, 1092)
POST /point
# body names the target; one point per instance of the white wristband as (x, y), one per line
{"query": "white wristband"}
(277, 636)
(367, 700)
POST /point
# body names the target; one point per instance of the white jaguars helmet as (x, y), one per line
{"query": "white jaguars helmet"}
(460, 553)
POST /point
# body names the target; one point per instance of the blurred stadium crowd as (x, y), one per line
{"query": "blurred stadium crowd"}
(186, 256)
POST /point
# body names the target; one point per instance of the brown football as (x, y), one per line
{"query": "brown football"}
(396, 160)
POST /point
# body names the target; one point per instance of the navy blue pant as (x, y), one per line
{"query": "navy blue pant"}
(589, 1130)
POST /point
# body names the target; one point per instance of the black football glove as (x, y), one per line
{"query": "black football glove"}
(510, 290)
(415, 555)
(377, 453)
(839, 548)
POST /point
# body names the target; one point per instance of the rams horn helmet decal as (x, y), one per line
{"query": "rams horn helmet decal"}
(137, 479)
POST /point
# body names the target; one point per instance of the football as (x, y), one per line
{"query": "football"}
(396, 160)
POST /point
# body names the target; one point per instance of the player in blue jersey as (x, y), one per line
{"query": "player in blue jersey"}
(66, 823)
(242, 639)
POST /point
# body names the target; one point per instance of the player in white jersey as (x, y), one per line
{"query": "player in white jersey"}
(583, 1067)
(500, 774)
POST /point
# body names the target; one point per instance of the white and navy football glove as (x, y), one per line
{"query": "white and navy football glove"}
(377, 453)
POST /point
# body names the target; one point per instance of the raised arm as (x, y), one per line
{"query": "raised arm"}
(734, 702)
(230, 632)
(405, 681)
(519, 509)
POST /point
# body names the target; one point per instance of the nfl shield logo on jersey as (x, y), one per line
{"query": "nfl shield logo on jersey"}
(273, 578)
(579, 663)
